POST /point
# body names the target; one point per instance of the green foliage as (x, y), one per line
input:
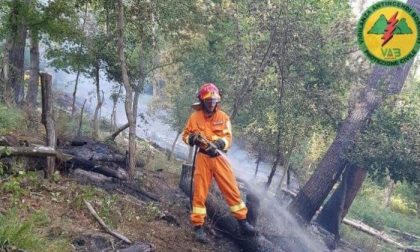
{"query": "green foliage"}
(66, 125)
(87, 193)
(389, 147)
(13, 186)
(10, 119)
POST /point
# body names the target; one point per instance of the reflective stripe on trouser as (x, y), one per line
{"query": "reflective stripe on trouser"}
(205, 169)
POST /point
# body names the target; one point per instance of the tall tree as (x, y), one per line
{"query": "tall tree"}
(34, 70)
(18, 31)
(382, 83)
(128, 89)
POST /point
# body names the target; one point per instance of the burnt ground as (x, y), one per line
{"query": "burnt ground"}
(150, 210)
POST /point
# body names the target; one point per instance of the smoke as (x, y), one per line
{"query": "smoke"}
(275, 222)
(279, 226)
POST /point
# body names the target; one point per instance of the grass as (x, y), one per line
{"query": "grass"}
(10, 119)
(18, 233)
(369, 208)
(22, 233)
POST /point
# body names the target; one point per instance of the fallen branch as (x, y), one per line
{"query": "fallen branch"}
(117, 132)
(91, 166)
(93, 212)
(139, 247)
(369, 230)
(92, 176)
(405, 235)
(38, 151)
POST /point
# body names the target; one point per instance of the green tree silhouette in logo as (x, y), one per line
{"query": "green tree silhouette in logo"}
(402, 27)
(381, 24)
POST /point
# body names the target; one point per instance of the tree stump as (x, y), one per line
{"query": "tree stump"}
(48, 121)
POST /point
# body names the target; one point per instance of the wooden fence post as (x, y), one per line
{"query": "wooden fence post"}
(48, 121)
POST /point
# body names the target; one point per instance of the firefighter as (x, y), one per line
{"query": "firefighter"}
(211, 123)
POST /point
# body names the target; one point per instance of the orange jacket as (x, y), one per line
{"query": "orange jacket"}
(215, 127)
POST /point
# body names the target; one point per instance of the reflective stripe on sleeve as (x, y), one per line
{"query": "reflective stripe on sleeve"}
(199, 210)
(238, 207)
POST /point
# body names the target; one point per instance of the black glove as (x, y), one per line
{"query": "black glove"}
(193, 139)
(220, 144)
(212, 152)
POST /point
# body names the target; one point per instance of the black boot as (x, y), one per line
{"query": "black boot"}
(246, 228)
(200, 235)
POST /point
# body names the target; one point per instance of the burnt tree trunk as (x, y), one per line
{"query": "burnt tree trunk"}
(332, 213)
(17, 51)
(34, 75)
(48, 121)
(315, 191)
(346, 191)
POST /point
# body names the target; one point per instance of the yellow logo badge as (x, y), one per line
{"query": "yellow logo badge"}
(388, 33)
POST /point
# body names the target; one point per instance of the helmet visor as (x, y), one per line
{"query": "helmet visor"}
(210, 104)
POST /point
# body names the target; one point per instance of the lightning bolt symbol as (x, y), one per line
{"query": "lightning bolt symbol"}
(389, 30)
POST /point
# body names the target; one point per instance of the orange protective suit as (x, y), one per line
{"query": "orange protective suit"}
(212, 128)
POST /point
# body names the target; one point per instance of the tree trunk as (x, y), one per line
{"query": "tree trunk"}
(332, 213)
(34, 76)
(5, 89)
(173, 146)
(279, 160)
(73, 103)
(98, 103)
(257, 162)
(48, 121)
(79, 130)
(313, 194)
(389, 190)
(128, 91)
(117, 132)
(38, 151)
(286, 164)
(114, 109)
(17, 51)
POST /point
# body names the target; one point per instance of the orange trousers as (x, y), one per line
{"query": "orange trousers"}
(218, 167)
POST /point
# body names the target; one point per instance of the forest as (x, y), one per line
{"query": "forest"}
(95, 95)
